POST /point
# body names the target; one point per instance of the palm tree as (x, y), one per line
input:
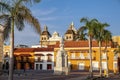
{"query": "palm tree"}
(17, 13)
(81, 34)
(89, 27)
(107, 37)
(99, 37)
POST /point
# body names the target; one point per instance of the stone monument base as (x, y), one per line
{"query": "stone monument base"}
(61, 71)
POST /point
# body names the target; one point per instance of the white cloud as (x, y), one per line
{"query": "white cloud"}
(44, 12)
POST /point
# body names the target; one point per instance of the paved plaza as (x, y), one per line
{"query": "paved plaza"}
(48, 75)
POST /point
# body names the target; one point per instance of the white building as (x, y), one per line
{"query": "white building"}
(44, 59)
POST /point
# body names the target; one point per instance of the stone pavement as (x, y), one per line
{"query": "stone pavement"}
(48, 75)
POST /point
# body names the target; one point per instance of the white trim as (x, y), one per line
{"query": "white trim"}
(104, 65)
(95, 65)
(81, 66)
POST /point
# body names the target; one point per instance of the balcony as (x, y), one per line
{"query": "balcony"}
(39, 60)
(82, 58)
(49, 60)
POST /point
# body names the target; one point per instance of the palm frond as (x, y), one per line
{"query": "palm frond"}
(30, 2)
(81, 29)
(7, 28)
(84, 20)
(4, 16)
(19, 22)
(107, 36)
(4, 7)
(26, 16)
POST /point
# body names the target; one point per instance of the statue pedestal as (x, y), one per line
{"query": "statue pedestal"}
(61, 71)
(61, 67)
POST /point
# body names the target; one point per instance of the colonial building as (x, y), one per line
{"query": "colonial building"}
(43, 56)
(47, 39)
(24, 58)
(34, 58)
(79, 58)
(44, 59)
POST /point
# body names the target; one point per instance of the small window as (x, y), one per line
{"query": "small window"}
(69, 37)
(82, 56)
(73, 55)
(115, 65)
(104, 56)
(66, 37)
(44, 38)
(37, 66)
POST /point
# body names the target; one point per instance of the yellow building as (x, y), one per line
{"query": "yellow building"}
(116, 39)
(24, 58)
(79, 58)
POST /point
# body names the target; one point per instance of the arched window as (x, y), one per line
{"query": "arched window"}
(49, 57)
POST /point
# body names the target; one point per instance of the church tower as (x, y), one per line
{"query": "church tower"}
(44, 37)
(70, 33)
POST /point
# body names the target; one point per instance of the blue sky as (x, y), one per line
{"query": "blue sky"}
(58, 15)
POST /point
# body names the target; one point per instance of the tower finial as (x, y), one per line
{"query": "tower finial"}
(72, 23)
(45, 28)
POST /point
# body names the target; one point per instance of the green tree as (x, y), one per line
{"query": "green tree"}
(17, 14)
(89, 27)
(107, 38)
(99, 30)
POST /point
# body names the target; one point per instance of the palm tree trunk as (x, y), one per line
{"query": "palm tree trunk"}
(11, 61)
(100, 59)
(90, 52)
(107, 75)
(1, 51)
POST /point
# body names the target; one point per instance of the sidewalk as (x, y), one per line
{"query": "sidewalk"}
(48, 75)
(96, 77)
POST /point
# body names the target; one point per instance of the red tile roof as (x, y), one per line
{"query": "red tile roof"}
(32, 49)
(23, 49)
(81, 44)
(43, 49)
